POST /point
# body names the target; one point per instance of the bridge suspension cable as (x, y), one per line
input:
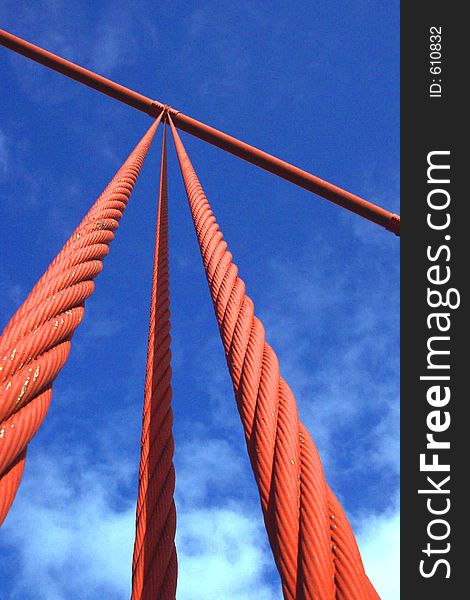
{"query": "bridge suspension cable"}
(310, 536)
(35, 344)
(154, 566)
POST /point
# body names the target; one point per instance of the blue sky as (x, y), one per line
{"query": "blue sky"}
(315, 83)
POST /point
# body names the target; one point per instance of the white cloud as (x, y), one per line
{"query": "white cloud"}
(221, 554)
(72, 540)
(72, 528)
(379, 542)
(336, 390)
(70, 518)
(222, 546)
(203, 465)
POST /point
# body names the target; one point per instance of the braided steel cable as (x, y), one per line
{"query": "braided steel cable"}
(35, 344)
(154, 566)
(311, 539)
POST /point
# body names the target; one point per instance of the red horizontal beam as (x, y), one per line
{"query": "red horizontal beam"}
(266, 161)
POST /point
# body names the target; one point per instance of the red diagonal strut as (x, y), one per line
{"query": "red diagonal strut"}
(258, 157)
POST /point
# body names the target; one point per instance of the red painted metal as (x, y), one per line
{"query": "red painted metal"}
(154, 567)
(310, 536)
(209, 134)
(70, 69)
(287, 171)
(35, 344)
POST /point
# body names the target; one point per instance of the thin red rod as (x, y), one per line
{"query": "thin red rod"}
(93, 80)
(266, 161)
(283, 169)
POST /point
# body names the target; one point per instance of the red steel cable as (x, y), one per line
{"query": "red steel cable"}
(154, 568)
(209, 134)
(35, 343)
(311, 539)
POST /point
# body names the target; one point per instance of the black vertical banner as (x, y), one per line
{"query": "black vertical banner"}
(433, 299)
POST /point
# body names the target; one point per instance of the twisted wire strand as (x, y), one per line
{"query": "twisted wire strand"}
(154, 567)
(35, 344)
(311, 539)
